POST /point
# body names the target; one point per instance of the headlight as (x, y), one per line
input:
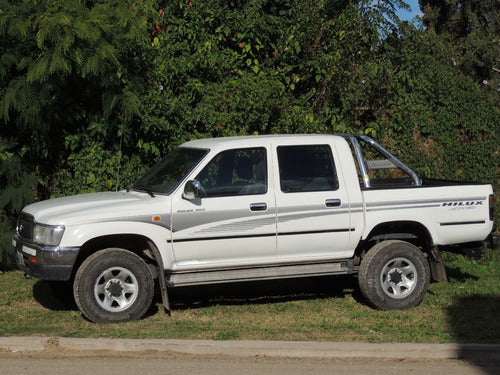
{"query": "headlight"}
(47, 234)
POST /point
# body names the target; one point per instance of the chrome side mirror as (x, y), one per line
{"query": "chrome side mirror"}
(192, 190)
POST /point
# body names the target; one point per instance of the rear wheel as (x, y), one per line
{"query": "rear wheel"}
(113, 285)
(394, 275)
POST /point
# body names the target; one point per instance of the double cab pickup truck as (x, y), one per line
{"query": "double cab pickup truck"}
(253, 208)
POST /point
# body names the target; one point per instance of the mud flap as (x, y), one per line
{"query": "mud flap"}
(437, 266)
(161, 278)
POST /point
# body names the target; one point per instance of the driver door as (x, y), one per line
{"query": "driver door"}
(234, 221)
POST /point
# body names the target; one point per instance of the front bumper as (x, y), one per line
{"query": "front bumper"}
(45, 262)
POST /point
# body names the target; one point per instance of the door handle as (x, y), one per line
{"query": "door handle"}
(333, 202)
(258, 206)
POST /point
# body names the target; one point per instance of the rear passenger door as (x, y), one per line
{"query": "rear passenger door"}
(313, 220)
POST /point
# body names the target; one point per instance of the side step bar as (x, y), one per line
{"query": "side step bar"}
(258, 273)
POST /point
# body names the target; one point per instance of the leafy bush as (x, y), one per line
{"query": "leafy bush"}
(15, 192)
(92, 168)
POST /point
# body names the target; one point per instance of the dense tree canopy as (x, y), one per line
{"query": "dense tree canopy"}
(474, 27)
(94, 92)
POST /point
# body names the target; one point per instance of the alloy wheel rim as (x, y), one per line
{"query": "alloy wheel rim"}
(398, 278)
(116, 289)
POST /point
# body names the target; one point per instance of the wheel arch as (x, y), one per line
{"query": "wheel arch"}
(413, 232)
(135, 243)
(405, 230)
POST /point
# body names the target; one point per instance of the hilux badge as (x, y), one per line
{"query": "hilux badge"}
(468, 203)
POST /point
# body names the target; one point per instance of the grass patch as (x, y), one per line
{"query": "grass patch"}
(324, 309)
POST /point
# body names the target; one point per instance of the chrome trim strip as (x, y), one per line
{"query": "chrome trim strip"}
(264, 265)
(274, 271)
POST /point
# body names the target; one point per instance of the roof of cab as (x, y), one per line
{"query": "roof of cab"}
(255, 140)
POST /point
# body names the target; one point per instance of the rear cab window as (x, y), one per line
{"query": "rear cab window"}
(306, 168)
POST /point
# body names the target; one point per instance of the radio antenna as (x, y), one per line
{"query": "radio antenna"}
(119, 162)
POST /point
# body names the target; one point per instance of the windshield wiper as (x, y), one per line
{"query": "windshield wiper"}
(144, 188)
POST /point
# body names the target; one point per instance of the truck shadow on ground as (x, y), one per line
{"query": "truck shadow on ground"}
(474, 319)
(470, 317)
(57, 296)
(263, 292)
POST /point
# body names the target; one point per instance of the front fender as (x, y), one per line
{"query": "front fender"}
(159, 235)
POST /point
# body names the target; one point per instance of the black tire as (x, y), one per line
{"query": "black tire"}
(113, 285)
(394, 275)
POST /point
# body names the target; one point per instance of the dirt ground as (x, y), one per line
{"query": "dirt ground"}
(64, 362)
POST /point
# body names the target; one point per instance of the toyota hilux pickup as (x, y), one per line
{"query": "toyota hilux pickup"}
(254, 208)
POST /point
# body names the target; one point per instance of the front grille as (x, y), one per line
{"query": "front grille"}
(25, 227)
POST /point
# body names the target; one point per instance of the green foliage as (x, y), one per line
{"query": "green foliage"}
(15, 192)
(65, 65)
(436, 117)
(93, 168)
(473, 27)
(251, 67)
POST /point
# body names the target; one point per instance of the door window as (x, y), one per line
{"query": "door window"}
(306, 168)
(235, 172)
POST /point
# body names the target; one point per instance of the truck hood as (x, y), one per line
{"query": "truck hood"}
(96, 207)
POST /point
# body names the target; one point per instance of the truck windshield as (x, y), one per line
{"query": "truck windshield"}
(165, 176)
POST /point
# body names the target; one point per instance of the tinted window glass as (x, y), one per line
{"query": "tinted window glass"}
(165, 176)
(306, 168)
(235, 172)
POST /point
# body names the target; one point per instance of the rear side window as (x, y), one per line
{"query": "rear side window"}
(306, 168)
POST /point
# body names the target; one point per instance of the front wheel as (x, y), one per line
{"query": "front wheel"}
(113, 285)
(394, 275)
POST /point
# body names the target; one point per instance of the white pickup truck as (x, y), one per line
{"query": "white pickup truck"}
(253, 208)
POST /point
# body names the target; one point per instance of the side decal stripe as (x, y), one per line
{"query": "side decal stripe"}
(221, 238)
(260, 235)
(462, 223)
(317, 232)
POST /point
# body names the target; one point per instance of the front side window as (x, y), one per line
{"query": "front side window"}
(235, 172)
(306, 168)
(165, 176)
